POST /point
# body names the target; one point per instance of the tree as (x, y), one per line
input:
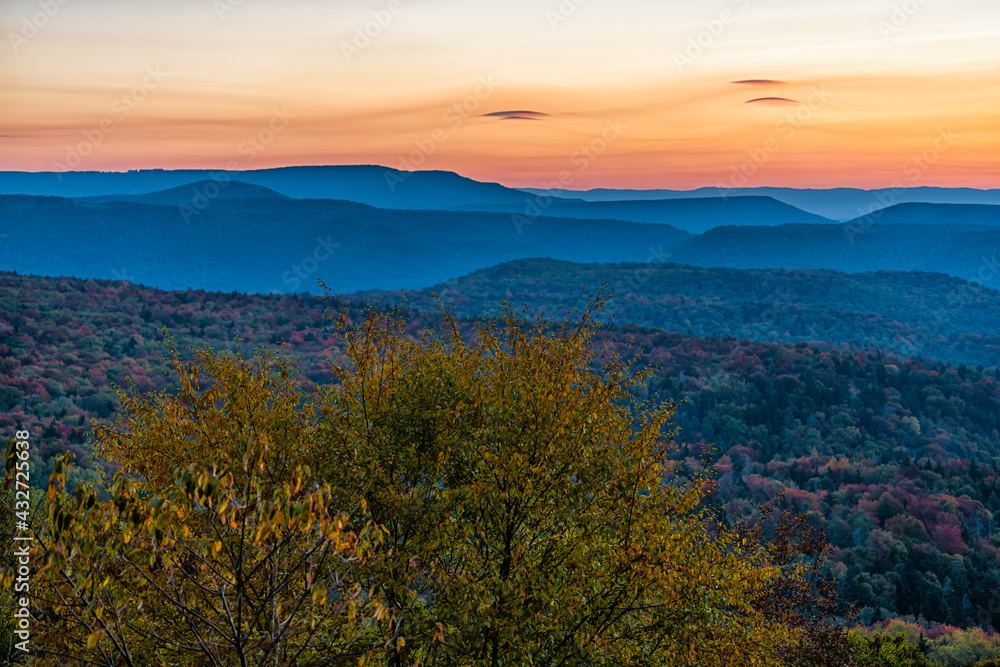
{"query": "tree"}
(217, 546)
(803, 597)
(486, 497)
(880, 650)
(531, 509)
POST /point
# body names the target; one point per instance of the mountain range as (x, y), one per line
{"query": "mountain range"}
(968, 252)
(839, 204)
(855, 365)
(275, 244)
(384, 187)
(230, 235)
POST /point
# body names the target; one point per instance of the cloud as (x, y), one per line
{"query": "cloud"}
(516, 115)
(772, 100)
(759, 82)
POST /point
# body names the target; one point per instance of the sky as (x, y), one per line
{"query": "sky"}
(576, 94)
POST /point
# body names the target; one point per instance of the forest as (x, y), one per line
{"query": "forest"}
(895, 459)
(910, 313)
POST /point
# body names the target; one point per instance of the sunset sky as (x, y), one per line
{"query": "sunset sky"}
(606, 93)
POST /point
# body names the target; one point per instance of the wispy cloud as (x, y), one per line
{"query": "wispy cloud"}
(516, 115)
(772, 100)
(759, 82)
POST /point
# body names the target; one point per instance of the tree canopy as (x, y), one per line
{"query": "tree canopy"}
(488, 497)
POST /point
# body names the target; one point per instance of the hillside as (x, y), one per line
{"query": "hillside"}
(191, 194)
(898, 460)
(368, 184)
(393, 189)
(936, 214)
(384, 187)
(285, 245)
(834, 203)
(969, 253)
(695, 215)
(913, 314)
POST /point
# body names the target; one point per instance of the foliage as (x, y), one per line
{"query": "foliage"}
(532, 513)
(804, 598)
(293, 241)
(498, 501)
(906, 313)
(218, 544)
(883, 650)
(943, 645)
(897, 459)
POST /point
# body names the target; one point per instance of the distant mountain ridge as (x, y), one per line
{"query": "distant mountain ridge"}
(192, 194)
(839, 204)
(392, 189)
(283, 245)
(385, 187)
(968, 252)
(695, 215)
(203, 235)
(694, 211)
(367, 184)
(934, 214)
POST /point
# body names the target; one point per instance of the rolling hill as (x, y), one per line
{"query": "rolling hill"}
(982, 215)
(909, 313)
(393, 189)
(835, 203)
(897, 459)
(192, 194)
(970, 253)
(695, 215)
(367, 184)
(282, 245)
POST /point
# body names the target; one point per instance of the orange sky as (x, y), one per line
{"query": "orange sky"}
(626, 93)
